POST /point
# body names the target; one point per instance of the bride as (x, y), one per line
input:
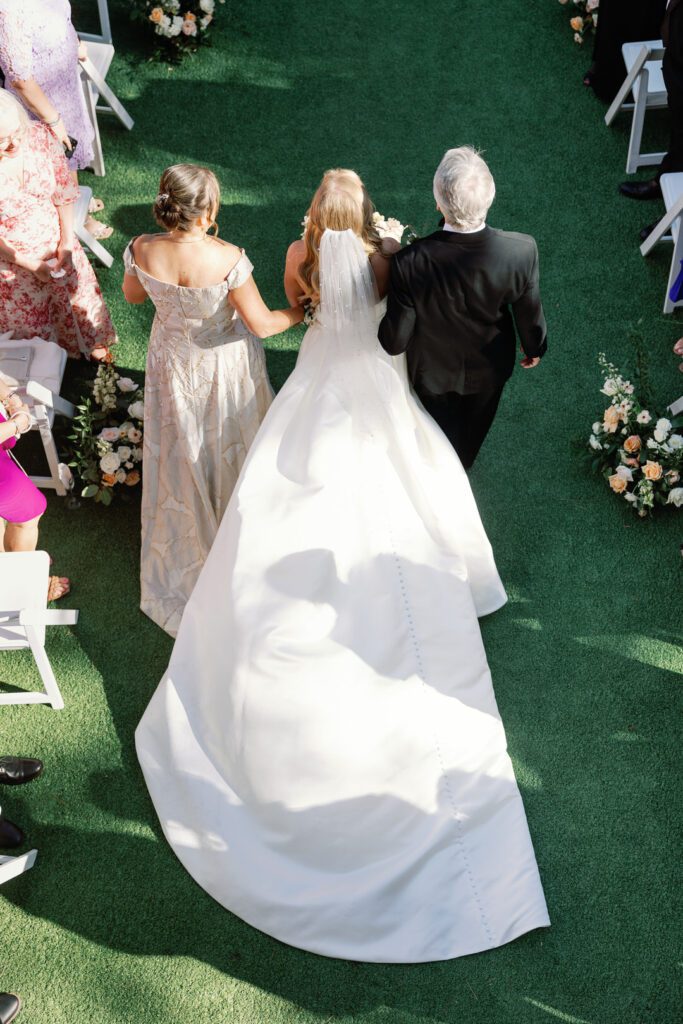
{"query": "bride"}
(324, 752)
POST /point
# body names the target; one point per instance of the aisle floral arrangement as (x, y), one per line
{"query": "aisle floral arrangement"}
(586, 20)
(179, 26)
(107, 436)
(639, 453)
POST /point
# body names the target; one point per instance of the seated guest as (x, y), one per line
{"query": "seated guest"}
(15, 771)
(10, 1005)
(21, 503)
(672, 37)
(60, 302)
(39, 57)
(620, 21)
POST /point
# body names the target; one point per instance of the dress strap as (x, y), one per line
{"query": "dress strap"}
(129, 264)
(240, 272)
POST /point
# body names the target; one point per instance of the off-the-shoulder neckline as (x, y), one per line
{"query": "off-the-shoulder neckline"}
(188, 287)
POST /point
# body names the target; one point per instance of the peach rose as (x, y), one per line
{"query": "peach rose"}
(133, 478)
(611, 419)
(652, 470)
(108, 479)
(632, 444)
(617, 483)
(576, 24)
(156, 14)
(190, 16)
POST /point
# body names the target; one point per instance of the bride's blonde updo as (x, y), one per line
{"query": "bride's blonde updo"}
(340, 202)
(186, 192)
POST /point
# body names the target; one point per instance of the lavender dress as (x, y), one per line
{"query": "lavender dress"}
(37, 40)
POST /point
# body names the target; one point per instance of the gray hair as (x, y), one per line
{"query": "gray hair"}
(464, 188)
(9, 105)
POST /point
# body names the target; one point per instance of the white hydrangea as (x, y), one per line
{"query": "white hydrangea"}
(176, 26)
(594, 443)
(675, 497)
(207, 6)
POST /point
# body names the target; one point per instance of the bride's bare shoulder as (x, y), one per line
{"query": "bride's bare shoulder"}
(296, 251)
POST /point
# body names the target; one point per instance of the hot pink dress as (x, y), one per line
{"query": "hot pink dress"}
(69, 310)
(20, 499)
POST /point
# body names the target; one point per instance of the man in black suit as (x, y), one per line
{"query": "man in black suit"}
(455, 299)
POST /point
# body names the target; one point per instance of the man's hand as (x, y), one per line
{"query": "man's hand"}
(529, 362)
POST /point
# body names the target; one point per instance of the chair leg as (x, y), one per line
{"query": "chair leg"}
(44, 668)
(10, 867)
(40, 413)
(632, 160)
(91, 104)
(98, 250)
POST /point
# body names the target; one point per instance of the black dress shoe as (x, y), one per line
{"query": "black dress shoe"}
(647, 231)
(9, 1007)
(16, 770)
(641, 189)
(10, 836)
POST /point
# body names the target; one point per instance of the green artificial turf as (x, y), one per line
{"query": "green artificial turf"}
(108, 927)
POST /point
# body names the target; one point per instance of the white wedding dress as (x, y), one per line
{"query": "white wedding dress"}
(324, 752)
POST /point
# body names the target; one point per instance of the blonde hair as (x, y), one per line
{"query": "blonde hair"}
(8, 104)
(335, 206)
(186, 192)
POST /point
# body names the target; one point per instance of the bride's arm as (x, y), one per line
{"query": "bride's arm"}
(257, 317)
(293, 283)
(381, 264)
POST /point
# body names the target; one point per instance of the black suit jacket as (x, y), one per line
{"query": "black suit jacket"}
(454, 301)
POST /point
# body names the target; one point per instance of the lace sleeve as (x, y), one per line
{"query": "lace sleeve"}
(16, 57)
(240, 272)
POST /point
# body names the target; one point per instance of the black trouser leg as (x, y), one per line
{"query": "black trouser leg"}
(465, 419)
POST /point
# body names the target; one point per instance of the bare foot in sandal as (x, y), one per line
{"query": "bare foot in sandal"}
(59, 586)
(97, 229)
(96, 205)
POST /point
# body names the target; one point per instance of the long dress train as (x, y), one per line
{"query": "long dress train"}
(324, 752)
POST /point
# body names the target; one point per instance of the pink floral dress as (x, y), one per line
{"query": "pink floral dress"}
(37, 40)
(69, 310)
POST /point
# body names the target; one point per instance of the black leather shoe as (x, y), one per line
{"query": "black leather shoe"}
(9, 1007)
(10, 836)
(647, 231)
(16, 770)
(641, 189)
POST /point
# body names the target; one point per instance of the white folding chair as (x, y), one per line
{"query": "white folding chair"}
(669, 230)
(99, 98)
(676, 407)
(104, 35)
(24, 581)
(10, 867)
(81, 210)
(645, 83)
(35, 368)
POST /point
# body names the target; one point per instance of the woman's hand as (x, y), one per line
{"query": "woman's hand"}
(41, 270)
(60, 131)
(82, 50)
(14, 404)
(65, 257)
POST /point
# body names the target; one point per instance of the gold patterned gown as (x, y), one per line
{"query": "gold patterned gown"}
(206, 393)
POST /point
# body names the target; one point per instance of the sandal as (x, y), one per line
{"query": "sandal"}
(59, 586)
(97, 229)
(96, 205)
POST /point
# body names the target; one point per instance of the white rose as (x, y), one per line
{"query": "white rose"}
(110, 462)
(207, 6)
(120, 476)
(597, 427)
(109, 434)
(675, 441)
(176, 25)
(610, 387)
(623, 471)
(123, 452)
(675, 497)
(594, 443)
(126, 384)
(643, 416)
(662, 426)
(651, 443)
(137, 409)
(660, 436)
